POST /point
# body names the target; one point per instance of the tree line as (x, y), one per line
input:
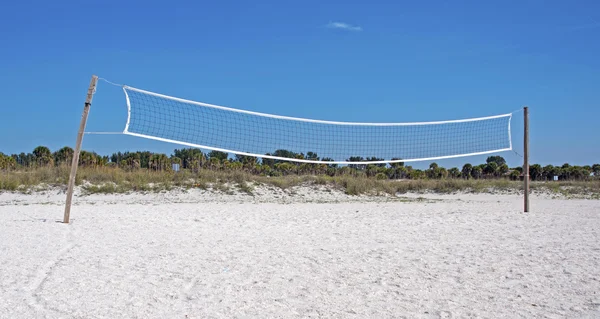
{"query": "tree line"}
(194, 160)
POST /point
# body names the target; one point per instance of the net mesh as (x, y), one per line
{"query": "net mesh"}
(219, 128)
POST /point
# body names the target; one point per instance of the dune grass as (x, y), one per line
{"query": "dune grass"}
(114, 180)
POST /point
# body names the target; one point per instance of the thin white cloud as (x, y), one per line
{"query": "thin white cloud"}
(343, 26)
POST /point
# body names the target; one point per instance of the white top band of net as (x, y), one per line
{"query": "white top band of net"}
(212, 127)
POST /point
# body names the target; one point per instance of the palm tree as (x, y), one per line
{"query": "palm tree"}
(372, 170)
(329, 159)
(375, 159)
(285, 167)
(221, 156)
(514, 175)
(499, 160)
(187, 156)
(312, 156)
(503, 169)
(248, 162)
(43, 156)
(214, 163)
(7, 162)
(454, 172)
(396, 164)
(159, 162)
(490, 169)
(549, 171)
(476, 172)
(442, 173)
(401, 172)
(596, 170)
(268, 161)
(63, 156)
(466, 170)
(535, 172)
(197, 162)
(356, 159)
(283, 153)
(433, 171)
(88, 159)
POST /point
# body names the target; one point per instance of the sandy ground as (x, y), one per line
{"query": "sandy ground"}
(309, 253)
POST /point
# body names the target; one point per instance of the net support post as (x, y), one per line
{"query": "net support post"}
(75, 161)
(526, 159)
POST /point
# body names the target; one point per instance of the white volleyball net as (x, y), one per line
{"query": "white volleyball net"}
(212, 127)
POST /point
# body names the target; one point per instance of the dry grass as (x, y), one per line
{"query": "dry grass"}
(114, 180)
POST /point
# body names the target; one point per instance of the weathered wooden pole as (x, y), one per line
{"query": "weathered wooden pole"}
(75, 162)
(526, 159)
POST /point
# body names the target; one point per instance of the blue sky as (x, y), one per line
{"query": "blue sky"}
(347, 61)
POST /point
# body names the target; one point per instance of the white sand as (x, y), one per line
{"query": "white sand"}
(312, 254)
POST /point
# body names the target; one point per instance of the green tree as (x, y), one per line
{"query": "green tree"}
(442, 173)
(144, 159)
(86, 159)
(587, 170)
(416, 174)
(197, 162)
(328, 159)
(220, 156)
(401, 172)
(22, 159)
(499, 160)
(596, 170)
(7, 162)
(466, 171)
(305, 168)
(477, 172)
(284, 154)
(549, 171)
(134, 161)
(160, 162)
(63, 156)
(436, 172)
(490, 169)
(454, 172)
(515, 175)
(268, 161)
(312, 156)
(356, 159)
(248, 162)
(396, 164)
(578, 173)
(518, 169)
(214, 162)
(233, 166)
(300, 157)
(375, 159)
(103, 160)
(43, 156)
(380, 176)
(285, 168)
(188, 156)
(371, 170)
(503, 170)
(535, 172)
(176, 160)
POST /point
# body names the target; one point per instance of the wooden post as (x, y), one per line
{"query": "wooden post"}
(526, 159)
(75, 162)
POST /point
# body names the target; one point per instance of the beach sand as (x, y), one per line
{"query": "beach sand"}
(307, 253)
